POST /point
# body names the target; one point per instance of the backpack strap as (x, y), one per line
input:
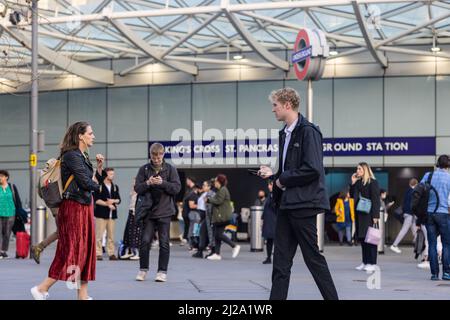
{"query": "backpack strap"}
(13, 193)
(68, 182)
(434, 190)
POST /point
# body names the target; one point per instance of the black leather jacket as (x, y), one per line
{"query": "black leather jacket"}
(81, 188)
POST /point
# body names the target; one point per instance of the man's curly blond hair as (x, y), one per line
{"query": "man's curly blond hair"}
(286, 95)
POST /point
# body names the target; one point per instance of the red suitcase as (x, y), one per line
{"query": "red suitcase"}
(22, 245)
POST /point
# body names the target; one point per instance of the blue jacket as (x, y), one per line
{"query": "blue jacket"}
(407, 201)
(441, 182)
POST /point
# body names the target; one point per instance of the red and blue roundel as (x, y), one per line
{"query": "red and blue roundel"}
(302, 54)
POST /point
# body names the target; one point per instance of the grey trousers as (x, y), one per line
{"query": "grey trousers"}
(6, 225)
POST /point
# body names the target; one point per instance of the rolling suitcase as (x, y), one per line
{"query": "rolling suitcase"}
(22, 245)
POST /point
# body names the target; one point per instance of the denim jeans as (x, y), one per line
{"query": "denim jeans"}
(438, 224)
(148, 231)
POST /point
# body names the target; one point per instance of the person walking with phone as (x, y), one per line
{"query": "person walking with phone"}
(157, 183)
(365, 191)
(300, 195)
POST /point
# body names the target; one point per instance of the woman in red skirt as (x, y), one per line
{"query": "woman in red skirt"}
(75, 257)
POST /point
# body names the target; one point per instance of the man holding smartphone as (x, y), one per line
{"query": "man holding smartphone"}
(157, 183)
(299, 195)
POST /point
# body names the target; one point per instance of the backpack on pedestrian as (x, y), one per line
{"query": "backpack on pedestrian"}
(419, 245)
(420, 197)
(50, 187)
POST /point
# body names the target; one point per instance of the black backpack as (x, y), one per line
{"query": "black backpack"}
(419, 245)
(420, 197)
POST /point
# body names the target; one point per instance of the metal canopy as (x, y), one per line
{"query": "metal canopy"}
(182, 33)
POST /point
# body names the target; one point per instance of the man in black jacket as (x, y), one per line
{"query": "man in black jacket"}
(157, 183)
(299, 193)
(106, 201)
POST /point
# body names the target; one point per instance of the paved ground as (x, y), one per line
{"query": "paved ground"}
(241, 278)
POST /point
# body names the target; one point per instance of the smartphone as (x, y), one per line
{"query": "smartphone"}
(253, 171)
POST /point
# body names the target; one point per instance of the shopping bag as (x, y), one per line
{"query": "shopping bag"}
(373, 235)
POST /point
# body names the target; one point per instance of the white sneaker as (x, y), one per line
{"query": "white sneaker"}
(360, 267)
(161, 277)
(135, 257)
(37, 295)
(236, 251)
(424, 265)
(183, 242)
(214, 256)
(126, 256)
(395, 249)
(141, 275)
(370, 267)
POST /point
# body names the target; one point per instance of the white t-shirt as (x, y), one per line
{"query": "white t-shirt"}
(201, 204)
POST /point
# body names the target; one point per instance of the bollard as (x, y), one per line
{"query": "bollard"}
(382, 226)
(321, 231)
(256, 241)
(40, 224)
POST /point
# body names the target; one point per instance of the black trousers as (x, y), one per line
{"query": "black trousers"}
(219, 236)
(187, 223)
(203, 241)
(148, 232)
(369, 252)
(292, 231)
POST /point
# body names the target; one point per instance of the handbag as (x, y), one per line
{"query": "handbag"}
(373, 235)
(364, 205)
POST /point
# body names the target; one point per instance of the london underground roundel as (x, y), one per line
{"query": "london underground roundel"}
(310, 53)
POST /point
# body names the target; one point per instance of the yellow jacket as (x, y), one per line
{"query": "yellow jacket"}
(340, 210)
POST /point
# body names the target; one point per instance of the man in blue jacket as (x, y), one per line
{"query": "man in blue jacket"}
(300, 195)
(438, 220)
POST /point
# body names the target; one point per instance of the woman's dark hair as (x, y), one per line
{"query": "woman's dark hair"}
(208, 182)
(382, 191)
(443, 162)
(343, 194)
(222, 179)
(71, 140)
(4, 173)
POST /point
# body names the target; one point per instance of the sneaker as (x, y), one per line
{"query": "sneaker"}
(183, 242)
(141, 275)
(99, 258)
(135, 257)
(113, 258)
(161, 277)
(434, 277)
(395, 249)
(267, 261)
(370, 267)
(214, 256)
(198, 254)
(446, 276)
(236, 251)
(424, 265)
(37, 295)
(360, 267)
(36, 253)
(126, 256)
(4, 255)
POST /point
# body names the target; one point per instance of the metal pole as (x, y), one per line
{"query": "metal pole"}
(34, 121)
(320, 217)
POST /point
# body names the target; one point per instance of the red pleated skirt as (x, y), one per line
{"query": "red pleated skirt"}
(75, 254)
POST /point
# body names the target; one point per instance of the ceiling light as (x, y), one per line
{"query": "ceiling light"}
(333, 53)
(435, 49)
(238, 57)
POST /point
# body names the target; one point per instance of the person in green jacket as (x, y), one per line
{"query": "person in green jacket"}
(221, 216)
